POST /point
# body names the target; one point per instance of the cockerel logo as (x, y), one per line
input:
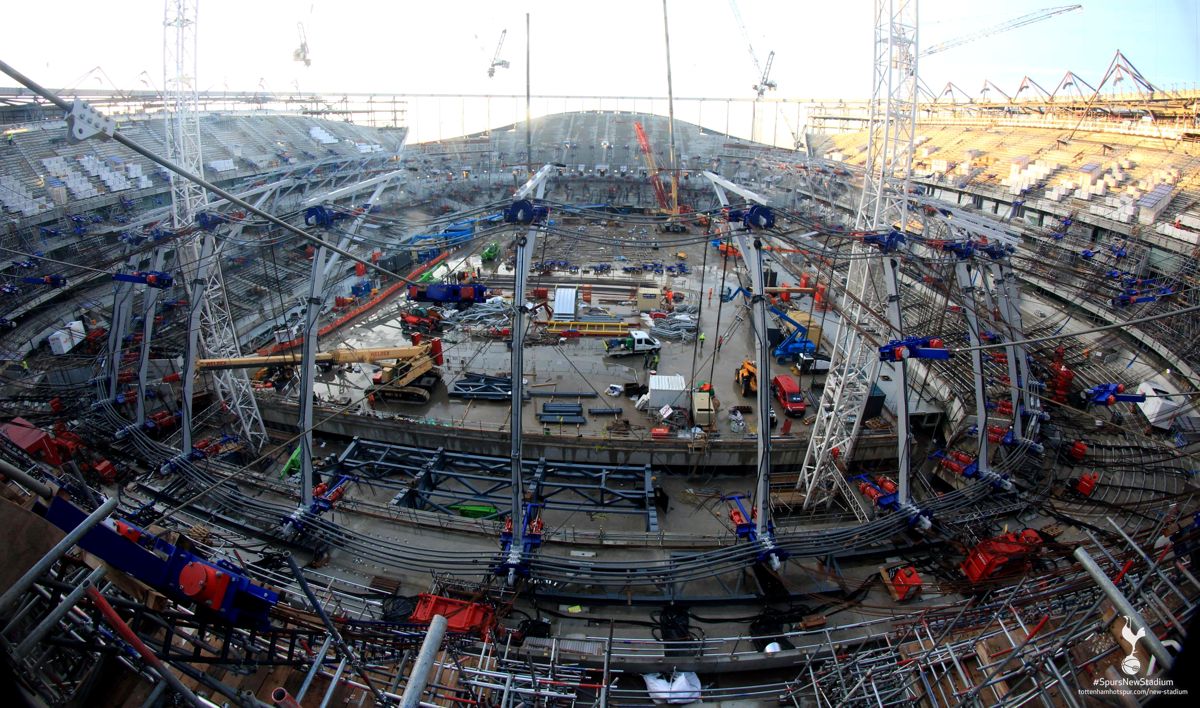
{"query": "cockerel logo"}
(1130, 664)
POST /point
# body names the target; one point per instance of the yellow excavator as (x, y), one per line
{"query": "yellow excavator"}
(409, 377)
(746, 376)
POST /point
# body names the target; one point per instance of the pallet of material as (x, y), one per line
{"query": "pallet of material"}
(561, 419)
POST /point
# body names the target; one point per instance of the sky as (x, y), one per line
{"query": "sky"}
(610, 47)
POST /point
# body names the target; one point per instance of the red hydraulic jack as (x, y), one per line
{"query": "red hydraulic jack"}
(1086, 484)
(992, 554)
(902, 582)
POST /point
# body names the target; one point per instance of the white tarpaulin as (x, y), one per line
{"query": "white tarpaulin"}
(682, 688)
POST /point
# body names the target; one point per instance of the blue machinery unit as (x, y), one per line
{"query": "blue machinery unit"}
(151, 278)
(219, 587)
(324, 497)
(796, 343)
(746, 526)
(1109, 393)
(531, 540)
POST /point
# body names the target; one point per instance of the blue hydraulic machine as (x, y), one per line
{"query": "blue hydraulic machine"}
(150, 278)
(216, 588)
(796, 343)
(1107, 394)
(533, 527)
(1133, 296)
(54, 281)
(745, 524)
(322, 498)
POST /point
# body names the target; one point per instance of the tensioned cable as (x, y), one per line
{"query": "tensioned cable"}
(1090, 330)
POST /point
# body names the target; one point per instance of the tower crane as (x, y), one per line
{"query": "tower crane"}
(764, 83)
(1026, 19)
(301, 52)
(496, 60)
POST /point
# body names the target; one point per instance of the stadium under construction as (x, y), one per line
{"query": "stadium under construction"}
(878, 402)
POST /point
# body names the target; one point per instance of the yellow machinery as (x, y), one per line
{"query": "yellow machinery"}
(409, 377)
(746, 376)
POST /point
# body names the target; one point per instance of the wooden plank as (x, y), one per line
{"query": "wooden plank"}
(27, 537)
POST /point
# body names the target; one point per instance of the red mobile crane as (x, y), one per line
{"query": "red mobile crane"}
(671, 208)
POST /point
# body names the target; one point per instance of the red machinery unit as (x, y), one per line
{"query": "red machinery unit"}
(886, 484)
(1086, 484)
(870, 492)
(902, 581)
(461, 616)
(1077, 451)
(203, 583)
(952, 465)
(992, 554)
(1059, 385)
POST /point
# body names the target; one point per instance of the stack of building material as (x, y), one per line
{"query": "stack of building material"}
(562, 413)
(565, 300)
(676, 326)
(482, 387)
(1153, 203)
(1023, 174)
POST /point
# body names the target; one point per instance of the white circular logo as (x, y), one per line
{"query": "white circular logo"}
(1130, 665)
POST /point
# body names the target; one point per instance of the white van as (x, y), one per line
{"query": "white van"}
(813, 364)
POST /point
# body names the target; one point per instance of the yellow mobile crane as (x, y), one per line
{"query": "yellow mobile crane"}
(409, 377)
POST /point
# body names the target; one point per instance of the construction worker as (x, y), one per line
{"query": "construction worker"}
(701, 340)
(654, 361)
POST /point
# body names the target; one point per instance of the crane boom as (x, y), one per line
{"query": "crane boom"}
(660, 194)
(765, 83)
(496, 60)
(333, 356)
(1026, 19)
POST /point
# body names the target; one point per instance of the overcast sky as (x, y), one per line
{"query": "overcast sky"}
(610, 47)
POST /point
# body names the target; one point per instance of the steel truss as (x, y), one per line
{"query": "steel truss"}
(884, 203)
(217, 334)
(439, 480)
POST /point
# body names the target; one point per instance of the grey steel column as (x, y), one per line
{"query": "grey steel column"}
(316, 296)
(962, 271)
(1118, 598)
(192, 353)
(150, 307)
(419, 676)
(891, 278)
(122, 304)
